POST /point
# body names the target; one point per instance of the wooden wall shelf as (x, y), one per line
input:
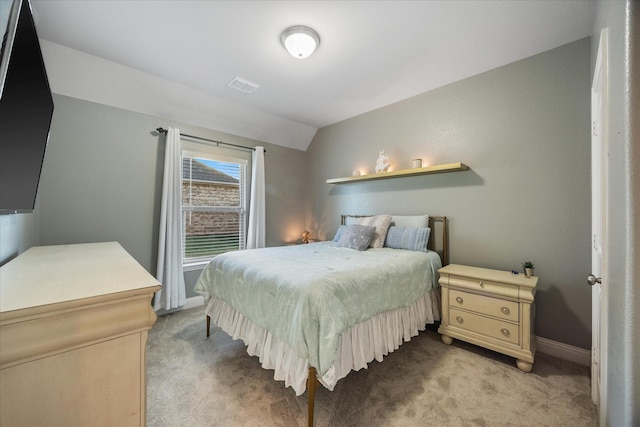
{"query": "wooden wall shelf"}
(449, 167)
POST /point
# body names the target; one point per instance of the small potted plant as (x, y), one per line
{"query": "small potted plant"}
(528, 268)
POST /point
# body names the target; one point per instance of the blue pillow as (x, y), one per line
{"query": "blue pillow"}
(356, 237)
(339, 233)
(413, 239)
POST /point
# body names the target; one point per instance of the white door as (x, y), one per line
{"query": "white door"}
(598, 227)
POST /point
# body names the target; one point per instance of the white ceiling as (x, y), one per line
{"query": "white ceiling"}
(371, 54)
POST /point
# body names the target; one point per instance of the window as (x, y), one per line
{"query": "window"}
(214, 190)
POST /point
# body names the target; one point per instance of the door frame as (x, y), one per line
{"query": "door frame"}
(599, 209)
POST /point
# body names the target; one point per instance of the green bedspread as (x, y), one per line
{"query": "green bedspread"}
(308, 295)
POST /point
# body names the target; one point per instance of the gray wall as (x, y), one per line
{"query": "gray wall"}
(18, 232)
(102, 176)
(623, 244)
(524, 131)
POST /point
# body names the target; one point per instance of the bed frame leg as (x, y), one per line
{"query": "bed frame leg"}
(311, 394)
(208, 325)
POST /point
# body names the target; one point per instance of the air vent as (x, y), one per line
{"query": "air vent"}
(243, 85)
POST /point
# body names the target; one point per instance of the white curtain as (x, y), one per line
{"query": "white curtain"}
(256, 231)
(169, 272)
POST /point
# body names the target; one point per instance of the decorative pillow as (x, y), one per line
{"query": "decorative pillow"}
(339, 233)
(414, 221)
(413, 239)
(381, 223)
(356, 237)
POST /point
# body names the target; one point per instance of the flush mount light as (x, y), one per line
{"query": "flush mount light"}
(300, 41)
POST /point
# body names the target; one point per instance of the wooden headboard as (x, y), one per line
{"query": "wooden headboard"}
(438, 226)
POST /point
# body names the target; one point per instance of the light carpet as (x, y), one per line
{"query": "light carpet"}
(197, 381)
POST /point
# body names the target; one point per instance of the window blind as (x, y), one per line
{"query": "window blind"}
(214, 214)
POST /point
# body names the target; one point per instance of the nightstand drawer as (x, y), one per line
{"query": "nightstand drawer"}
(484, 286)
(508, 310)
(484, 325)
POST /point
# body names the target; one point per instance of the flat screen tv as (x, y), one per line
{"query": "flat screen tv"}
(26, 108)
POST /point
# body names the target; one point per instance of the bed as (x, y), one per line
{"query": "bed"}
(314, 312)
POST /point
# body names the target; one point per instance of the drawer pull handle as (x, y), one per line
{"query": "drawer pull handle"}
(505, 332)
(505, 310)
(482, 284)
(459, 300)
(459, 319)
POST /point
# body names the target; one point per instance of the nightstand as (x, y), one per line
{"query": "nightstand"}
(490, 308)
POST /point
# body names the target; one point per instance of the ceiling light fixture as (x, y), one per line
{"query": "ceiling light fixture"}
(300, 41)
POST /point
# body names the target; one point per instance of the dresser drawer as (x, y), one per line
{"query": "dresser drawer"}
(485, 286)
(508, 310)
(497, 329)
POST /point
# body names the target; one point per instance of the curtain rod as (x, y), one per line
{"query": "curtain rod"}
(162, 130)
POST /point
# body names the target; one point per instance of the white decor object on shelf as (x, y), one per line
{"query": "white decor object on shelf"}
(416, 163)
(383, 162)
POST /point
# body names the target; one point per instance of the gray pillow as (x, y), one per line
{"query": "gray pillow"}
(356, 237)
(413, 239)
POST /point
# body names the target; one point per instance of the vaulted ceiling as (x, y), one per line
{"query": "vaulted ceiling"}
(371, 53)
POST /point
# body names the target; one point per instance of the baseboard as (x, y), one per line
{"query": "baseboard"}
(193, 302)
(563, 351)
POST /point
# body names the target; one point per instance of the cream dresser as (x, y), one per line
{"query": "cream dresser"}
(490, 308)
(73, 332)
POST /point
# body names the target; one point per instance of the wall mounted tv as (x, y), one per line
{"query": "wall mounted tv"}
(26, 108)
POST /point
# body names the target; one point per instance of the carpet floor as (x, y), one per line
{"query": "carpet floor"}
(194, 381)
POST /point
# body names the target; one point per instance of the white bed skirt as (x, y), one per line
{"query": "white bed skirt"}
(368, 340)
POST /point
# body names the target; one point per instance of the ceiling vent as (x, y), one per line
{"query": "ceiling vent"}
(243, 85)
